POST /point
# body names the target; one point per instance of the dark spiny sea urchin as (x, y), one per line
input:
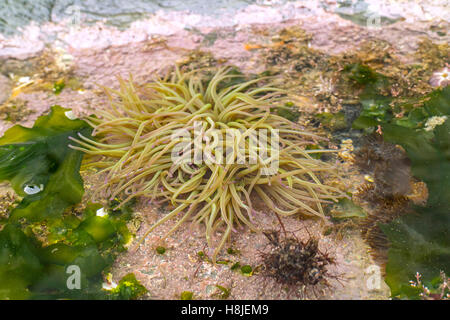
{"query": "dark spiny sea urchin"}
(137, 137)
(294, 262)
(300, 266)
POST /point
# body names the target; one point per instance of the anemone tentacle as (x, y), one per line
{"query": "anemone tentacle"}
(134, 142)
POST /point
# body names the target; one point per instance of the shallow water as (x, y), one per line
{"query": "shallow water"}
(16, 14)
(64, 64)
(120, 13)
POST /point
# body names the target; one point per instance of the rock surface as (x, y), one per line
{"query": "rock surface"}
(5, 88)
(100, 53)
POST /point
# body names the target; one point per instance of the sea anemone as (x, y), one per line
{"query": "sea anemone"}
(136, 139)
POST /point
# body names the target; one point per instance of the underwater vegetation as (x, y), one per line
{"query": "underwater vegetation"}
(419, 241)
(389, 166)
(390, 192)
(46, 227)
(134, 143)
(43, 236)
(440, 290)
(40, 166)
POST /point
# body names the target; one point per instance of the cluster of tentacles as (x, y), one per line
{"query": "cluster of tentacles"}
(134, 142)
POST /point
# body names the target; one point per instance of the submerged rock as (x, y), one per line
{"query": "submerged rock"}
(5, 89)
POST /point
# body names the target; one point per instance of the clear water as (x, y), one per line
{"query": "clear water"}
(360, 12)
(15, 14)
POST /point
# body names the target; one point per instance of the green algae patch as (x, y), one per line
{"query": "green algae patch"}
(247, 270)
(288, 111)
(29, 269)
(50, 249)
(41, 167)
(187, 295)
(420, 242)
(58, 87)
(129, 288)
(375, 99)
(19, 264)
(160, 250)
(361, 74)
(332, 121)
(345, 208)
(224, 293)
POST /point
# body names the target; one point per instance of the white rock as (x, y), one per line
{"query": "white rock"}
(70, 115)
(33, 189)
(101, 212)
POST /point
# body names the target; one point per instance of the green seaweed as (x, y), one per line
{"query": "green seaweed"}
(160, 250)
(420, 242)
(19, 265)
(235, 266)
(247, 270)
(345, 208)
(224, 292)
(288, 111)
(129, 288)
(39, 157)
(187, 295)
(232, 251)
(58, 87)
(332, 121)
(30, 269)
(42, 243)
(361, 74)
(375, 102)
